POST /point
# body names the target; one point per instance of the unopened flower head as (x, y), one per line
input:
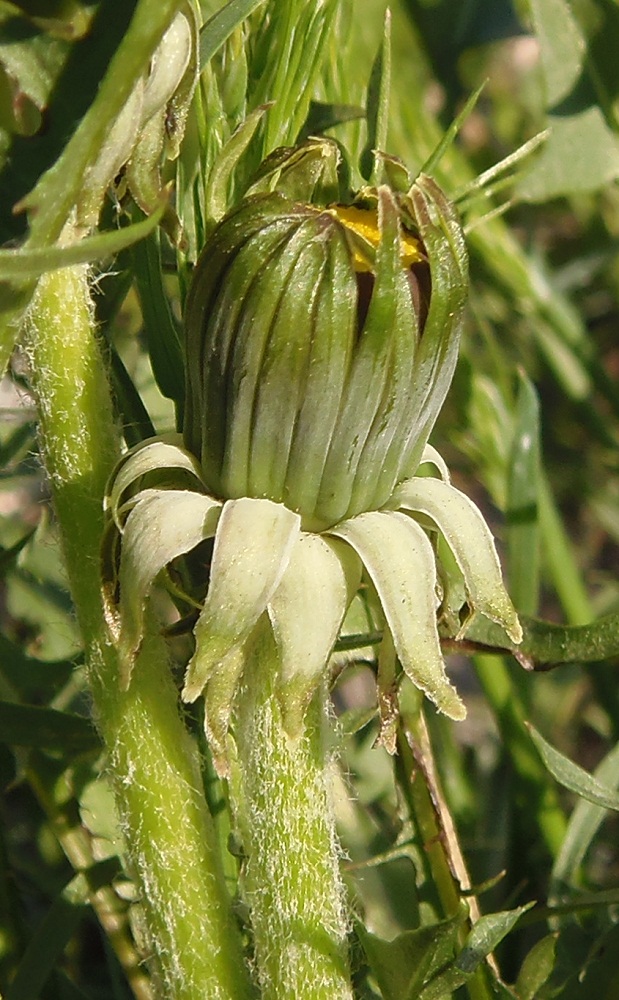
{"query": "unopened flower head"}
(321, 340)
(320, 345)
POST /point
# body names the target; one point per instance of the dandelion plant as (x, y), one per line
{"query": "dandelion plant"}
(275, 515)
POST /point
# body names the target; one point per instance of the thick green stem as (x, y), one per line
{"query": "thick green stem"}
(154, 765)
(168, 827)
(292, 880)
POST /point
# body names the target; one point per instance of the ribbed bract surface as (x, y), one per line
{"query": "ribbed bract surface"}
(307, 382)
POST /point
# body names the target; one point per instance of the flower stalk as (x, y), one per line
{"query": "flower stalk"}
(154, 766)
(292, 882)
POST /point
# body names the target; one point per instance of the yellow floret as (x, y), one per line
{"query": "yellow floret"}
(364, 222)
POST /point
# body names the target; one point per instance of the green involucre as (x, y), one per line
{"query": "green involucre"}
(310, 383)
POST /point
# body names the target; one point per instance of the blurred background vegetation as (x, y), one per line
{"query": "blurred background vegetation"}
(530, 431)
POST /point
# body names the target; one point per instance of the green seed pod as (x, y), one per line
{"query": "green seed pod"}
(320, 346)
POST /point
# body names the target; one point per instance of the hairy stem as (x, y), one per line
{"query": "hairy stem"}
(292, 880)
(169, 829)
(196, 950)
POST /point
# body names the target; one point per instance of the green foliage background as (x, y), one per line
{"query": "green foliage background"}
(530, 430)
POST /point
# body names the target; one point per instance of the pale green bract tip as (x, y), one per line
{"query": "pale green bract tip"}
(400, 561)
(253, 546)
(468, 536)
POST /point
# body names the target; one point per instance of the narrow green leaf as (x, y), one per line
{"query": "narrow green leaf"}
(31, 262)
(522, 500)
(162, 333)
(135, 419)
(487, 184)
(486, 934)
(288, 57)
(55, 931)
(220, 26)
(583, 825)
(572, 776)
(219, 179)
(430, 165)
(536, 968)
(484, 937)
(403, 965)
(45, 728)
(377, 107)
